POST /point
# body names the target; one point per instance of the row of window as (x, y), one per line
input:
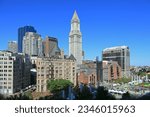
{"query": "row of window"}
(1, 62)
(5, 79)
(5, 66)
(5, 70)
(5, 83)
(5, 87)
(5, 74)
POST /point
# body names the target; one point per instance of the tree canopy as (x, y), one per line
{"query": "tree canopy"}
(122, 80)
(58, 85)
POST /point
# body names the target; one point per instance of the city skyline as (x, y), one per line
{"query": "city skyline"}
(105, 24)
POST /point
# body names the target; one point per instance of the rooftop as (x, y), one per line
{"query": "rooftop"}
(115, 48)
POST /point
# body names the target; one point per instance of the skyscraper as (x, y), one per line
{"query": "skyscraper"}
(121, 54)
(75, 39)
(13, 46)
(21, 34)
(32, 44)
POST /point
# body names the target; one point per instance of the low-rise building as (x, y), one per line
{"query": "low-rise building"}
(110, 70)
(55, 68)
(89, 73)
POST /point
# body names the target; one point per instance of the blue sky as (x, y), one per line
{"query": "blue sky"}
(104, 23)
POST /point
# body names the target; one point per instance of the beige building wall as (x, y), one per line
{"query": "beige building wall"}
(48, 68)
(14, 72)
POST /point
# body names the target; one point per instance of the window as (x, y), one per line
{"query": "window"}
(118, 71)
(9, 78)
(9, 75)
(111, 71)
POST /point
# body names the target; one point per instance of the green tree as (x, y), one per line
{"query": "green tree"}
(148, 75)
(126, 96)
(58, 85)
(28, 95)
(141, 73)
(83, 94)
(122, 80)
(102, 94)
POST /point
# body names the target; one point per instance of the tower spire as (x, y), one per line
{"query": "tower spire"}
(75, 16)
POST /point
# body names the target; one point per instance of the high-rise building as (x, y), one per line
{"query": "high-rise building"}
(13, 46)
(50, 47)
(75, 39)
(21, 33)
(32, 44)
(121, 54)
(14, 72)
(55, 68)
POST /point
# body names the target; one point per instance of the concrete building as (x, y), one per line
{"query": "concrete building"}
(21, 33)
(50, 47)
(110, 70)
(75, 39)
(32, 44)
(120, 54)
(13, 46)
(55, 68)
(14, 72)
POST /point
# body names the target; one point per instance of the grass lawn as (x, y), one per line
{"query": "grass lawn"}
(146, 85)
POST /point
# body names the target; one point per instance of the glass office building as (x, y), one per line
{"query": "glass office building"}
(21, 34)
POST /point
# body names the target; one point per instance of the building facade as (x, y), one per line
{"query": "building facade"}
(21, 33)
(89, 73)
(75, 39)
(110, 70)
(50, 47)
(14, 72)
(120, 54)
(13, 46)
(54, 68)
(32, 44)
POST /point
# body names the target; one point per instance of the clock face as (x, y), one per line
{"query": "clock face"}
(75, 26)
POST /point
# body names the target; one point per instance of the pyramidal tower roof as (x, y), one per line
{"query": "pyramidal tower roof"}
(75, 16)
